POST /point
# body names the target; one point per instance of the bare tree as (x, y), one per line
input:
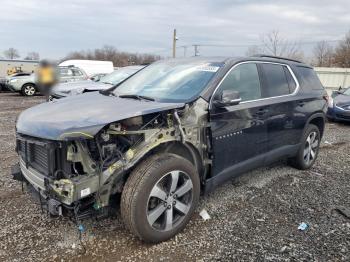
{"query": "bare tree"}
(32, 56)
(323, 54)
(11, 53)
(274, 44)
(110, 53)
(342, 52)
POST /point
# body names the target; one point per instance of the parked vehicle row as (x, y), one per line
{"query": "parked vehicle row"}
(27, 85)
(105, 82)
(168, 133)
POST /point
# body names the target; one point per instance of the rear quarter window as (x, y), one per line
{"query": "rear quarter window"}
(276, 80)
(309, 78)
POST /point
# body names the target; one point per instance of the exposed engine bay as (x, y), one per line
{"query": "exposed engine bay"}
(92, 169)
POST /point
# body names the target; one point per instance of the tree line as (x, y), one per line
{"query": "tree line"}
(272, 43)
(110, 53)
(323, 54)
(13, 53)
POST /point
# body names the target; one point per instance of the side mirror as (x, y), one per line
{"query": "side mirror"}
(227, 98)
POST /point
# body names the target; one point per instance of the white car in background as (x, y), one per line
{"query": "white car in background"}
(105, 82)
(27, 84)
(91, 67)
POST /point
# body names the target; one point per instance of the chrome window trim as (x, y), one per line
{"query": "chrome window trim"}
(260, 99)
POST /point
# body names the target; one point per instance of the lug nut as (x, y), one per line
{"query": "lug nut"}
(169, 206)
(174, 203)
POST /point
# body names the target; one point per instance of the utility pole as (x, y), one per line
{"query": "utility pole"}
(196, 52)
(174, 43)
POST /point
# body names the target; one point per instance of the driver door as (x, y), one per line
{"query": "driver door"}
(239, 132)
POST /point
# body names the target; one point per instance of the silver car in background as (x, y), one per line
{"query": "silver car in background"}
(105, 82)
(26, 85)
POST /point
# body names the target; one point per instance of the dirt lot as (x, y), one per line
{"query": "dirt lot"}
(254, 217)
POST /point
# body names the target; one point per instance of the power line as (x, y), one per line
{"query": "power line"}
(196, 46)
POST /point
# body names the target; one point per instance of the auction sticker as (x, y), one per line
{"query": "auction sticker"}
(85, 192)
(208, 68)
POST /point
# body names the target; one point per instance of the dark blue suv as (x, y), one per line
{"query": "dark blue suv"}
(175, 129)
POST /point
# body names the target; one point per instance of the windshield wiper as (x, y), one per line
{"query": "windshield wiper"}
(139, 97)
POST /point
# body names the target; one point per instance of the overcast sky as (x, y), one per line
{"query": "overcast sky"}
(54, 28)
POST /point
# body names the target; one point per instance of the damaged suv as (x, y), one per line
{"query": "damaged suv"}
(175, 130)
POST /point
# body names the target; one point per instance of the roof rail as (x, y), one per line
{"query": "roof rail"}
(277, 57)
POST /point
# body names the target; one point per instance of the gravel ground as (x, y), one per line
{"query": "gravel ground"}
(254, 217)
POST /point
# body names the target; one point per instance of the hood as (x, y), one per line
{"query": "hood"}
(342, 100)
(78, 87)
(83, 114)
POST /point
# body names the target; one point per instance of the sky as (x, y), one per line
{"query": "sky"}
(55, 28)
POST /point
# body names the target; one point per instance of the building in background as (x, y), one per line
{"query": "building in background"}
(333, 77)
(26, 66)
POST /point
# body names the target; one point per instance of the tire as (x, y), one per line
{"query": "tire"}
(28, 90)
(305, 158)
(148, 190)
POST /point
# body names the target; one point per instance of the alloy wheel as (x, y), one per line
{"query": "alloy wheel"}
(169, 201)
(311, 147)
(29, 90)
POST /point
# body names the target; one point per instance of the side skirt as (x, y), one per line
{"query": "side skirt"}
(250, 164)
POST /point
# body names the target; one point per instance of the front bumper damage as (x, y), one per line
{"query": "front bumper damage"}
(88, 192)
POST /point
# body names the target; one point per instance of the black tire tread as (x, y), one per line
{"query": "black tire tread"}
(296, 162)
(22, 89)
(133, 186)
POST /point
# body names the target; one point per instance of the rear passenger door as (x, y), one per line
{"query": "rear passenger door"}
(279, 88)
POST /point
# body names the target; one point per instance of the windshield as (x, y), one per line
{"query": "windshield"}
(119, 75)
(347, 92)
(170, 81)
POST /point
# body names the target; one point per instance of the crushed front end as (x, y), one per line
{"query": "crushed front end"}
(80, 173)
(58, 172)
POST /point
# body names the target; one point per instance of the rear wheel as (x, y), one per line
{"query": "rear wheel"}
(28, 90)
(309, 148)
(159, 197)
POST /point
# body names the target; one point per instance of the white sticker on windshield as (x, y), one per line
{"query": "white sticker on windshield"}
(85, 192)
(208, 68)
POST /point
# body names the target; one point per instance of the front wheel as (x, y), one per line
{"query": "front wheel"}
(28, 90)
(309, 148)
(160, 197)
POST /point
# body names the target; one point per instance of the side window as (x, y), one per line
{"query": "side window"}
(276, 80)
(309, 78)
(245, 79)
(63, 71)
(291, 82)
(77, 72)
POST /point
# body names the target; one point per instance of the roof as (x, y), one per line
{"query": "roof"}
(233, 60)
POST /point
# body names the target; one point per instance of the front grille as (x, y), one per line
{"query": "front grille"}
(38, 154)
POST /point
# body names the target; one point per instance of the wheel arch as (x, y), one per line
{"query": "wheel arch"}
(319, 120)
(185, 150)
(30, 83)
